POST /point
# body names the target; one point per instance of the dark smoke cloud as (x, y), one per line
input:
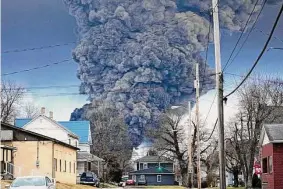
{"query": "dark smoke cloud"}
(140, 54)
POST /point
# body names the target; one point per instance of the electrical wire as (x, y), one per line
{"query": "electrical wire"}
(239, 39)
(248, 35)
(36, 68)
(275, 37)
(211, 132)
(260, 55)
(37, 48)
(210, 108)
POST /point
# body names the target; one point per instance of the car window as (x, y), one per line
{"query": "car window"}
(83, 175)
(29, 181)
(89, 175)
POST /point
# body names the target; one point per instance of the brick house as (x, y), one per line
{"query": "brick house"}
(271, 144)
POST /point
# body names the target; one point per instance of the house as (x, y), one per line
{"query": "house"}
(271, 144)
(37, 154)
(76, 133)
(155, 170)
(7, 153)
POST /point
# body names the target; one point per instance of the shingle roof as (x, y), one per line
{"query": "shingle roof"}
(79, 128)
(274, 132)
(21, 122)
(153, 170)
(85, 156)
(154, 159)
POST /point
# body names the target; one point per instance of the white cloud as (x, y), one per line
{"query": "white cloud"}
(61, 105)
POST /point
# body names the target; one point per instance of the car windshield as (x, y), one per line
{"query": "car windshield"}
(32, 181)
(89, 175)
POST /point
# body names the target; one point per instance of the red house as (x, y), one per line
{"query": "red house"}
(271, 143)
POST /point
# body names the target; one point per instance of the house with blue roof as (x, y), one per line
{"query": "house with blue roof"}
(76, 133)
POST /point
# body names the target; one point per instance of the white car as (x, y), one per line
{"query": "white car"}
(32, 182)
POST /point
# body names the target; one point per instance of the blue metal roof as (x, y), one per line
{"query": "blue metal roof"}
(22, 122)
(80, 128)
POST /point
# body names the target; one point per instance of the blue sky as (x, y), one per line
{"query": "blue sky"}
(35, 23)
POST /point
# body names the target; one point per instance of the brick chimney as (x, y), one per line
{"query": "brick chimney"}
(42, 111)
(51, 115)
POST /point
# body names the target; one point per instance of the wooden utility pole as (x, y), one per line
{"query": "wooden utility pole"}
(190, 166)
(198, 125)
(219, 88)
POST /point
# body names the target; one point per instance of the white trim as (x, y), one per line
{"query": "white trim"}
(158, 180)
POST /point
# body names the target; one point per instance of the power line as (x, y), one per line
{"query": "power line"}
(36, 68)
(260, 55)
(37, 48)
(211, 131)
(239, 39)
(275, 37)
(248, 35)
(210, 109)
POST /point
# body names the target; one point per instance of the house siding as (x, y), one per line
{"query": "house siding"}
(25, 159)
(278, 165)
(46, 127)
(267, 178)
(165, 180)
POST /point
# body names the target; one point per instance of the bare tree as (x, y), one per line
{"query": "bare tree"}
(259, 101)
(110, 139)
(29, 110)
(170, 139)
(11, 95)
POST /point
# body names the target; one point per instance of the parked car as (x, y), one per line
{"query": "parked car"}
(130, 182)
(123, 181)
(89, 178)
(32, 182)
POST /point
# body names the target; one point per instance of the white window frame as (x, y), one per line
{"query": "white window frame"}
(145, 166)
(160, 178)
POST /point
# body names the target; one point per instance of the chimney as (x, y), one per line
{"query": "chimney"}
(42, 111)
(51, 115)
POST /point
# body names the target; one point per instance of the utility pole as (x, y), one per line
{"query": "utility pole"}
(219, 88)
(198, 125)
(190, 166)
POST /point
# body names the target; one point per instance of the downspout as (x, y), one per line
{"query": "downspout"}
(53, 166)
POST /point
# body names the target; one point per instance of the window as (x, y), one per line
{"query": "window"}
(145, 166)
(76, 143)
(88, 166)
(270, 164)
(69, 141)
(142, 178)
(158, 178)
(267, 165)
(55, 164)
(70, 167)
(65, 170)
(60, 165)
(264, 165)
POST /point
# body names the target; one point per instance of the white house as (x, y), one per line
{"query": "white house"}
(76, 133)
(47, 126)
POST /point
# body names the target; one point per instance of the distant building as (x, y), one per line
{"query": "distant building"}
(37, 154)
(155, 170)
(76, 133)
(271, 143)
